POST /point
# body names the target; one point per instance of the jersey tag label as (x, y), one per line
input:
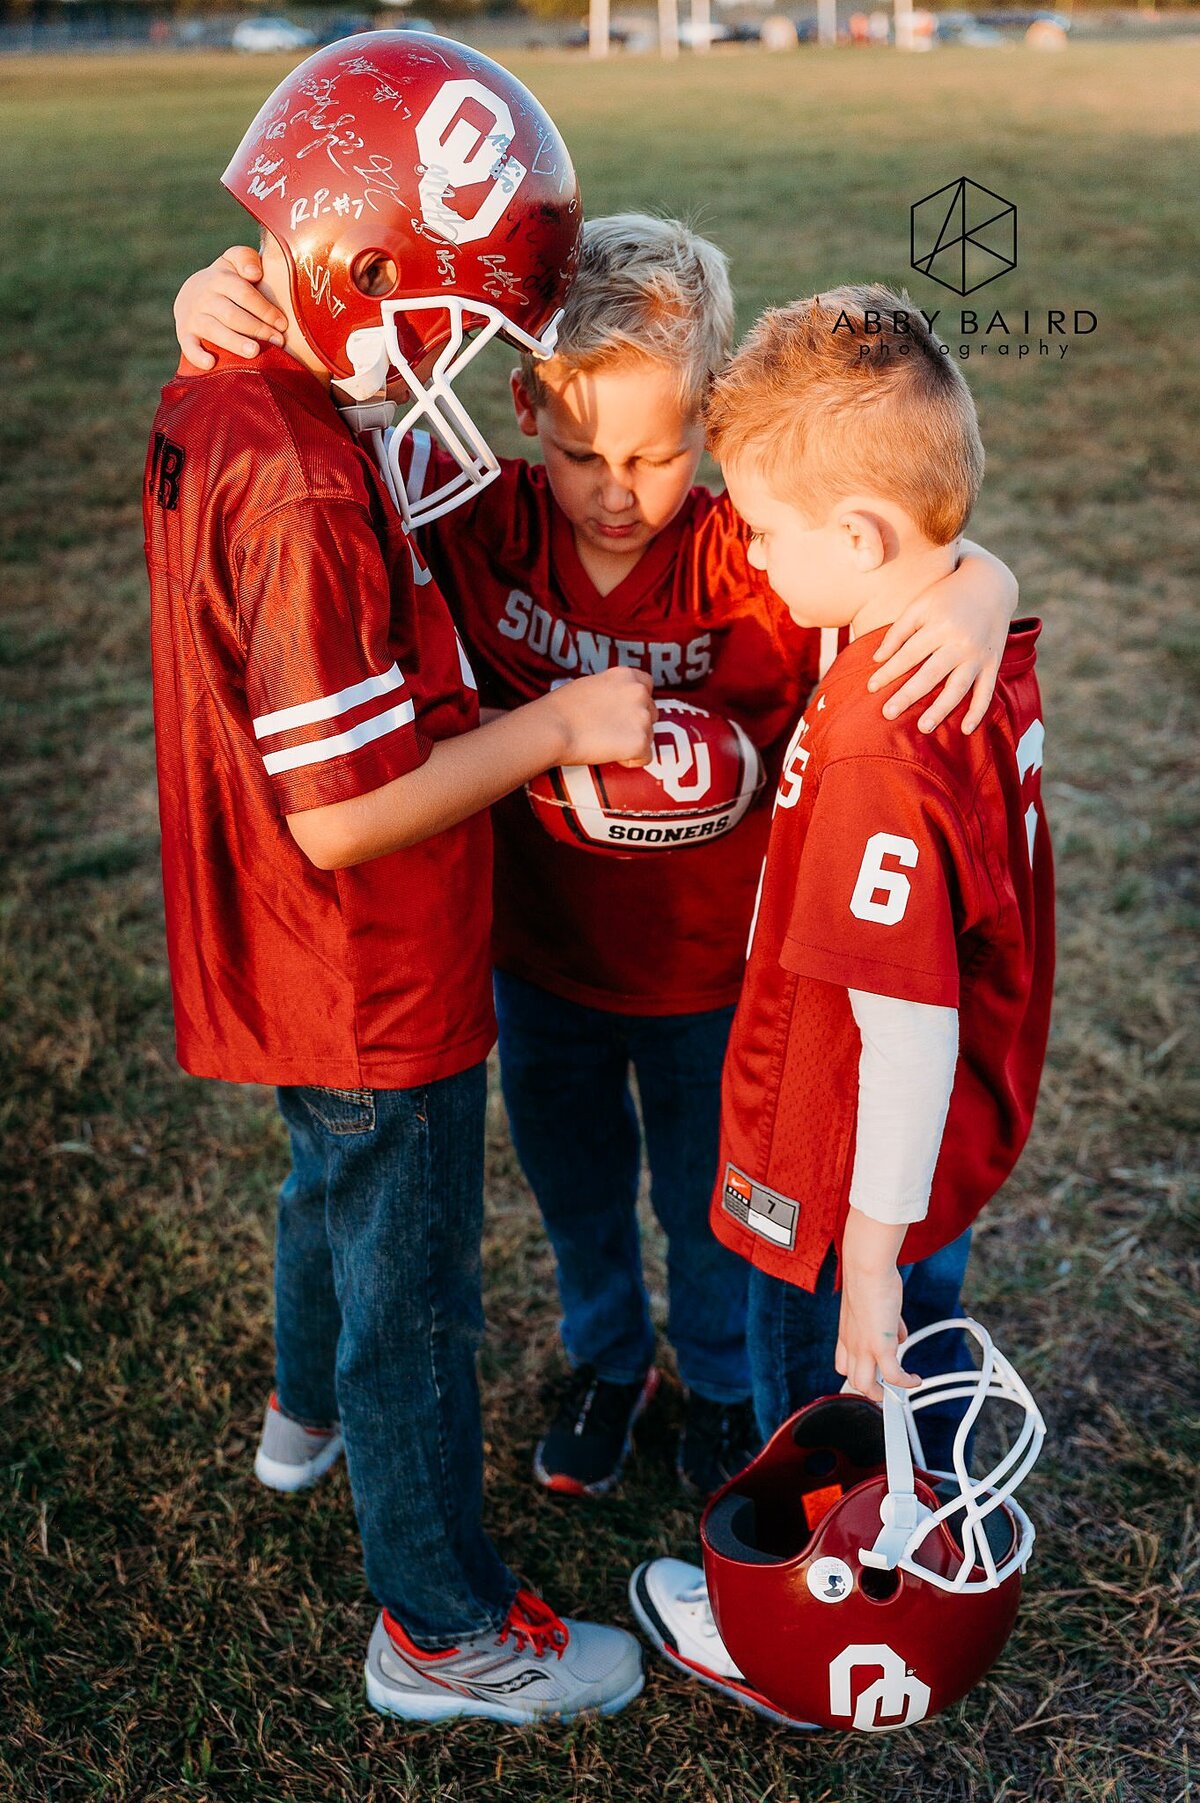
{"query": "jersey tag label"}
(763, 1211)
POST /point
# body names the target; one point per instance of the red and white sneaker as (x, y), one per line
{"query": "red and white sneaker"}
(534, 1666)
(670, 1600)
(291, 1456)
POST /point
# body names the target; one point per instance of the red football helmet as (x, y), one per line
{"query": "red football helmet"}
(698, 785)
(854, 1591)
(426, 204)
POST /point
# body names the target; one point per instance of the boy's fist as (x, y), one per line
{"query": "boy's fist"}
(607, 718)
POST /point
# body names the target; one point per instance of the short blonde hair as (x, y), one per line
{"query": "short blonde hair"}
(646, 288)
(847, 392)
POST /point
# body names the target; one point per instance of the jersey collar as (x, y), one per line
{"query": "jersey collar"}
(647, 574)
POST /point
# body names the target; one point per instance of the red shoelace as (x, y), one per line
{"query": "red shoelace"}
(534, 1625)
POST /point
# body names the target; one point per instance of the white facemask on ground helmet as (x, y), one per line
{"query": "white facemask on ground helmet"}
(854, 1587)
(425, 204)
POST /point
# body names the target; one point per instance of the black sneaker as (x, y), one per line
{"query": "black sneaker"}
(590, 1439)
(718, 1440)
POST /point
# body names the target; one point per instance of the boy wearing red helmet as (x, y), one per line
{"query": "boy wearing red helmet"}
(608, 553)
(887, 1049)
(321, 778)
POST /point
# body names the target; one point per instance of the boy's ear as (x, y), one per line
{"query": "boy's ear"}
(523, 407)
(864, 538)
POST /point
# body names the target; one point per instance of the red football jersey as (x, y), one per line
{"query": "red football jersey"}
(302, 655)
(909, 866)
(665, 934)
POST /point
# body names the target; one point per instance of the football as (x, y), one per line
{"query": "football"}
(703, 776)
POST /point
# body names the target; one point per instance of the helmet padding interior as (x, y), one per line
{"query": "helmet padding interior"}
(731, 1530)
(848, 1425)
(999, 1528)
(832, 1446)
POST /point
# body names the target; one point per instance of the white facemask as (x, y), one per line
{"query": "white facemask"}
(376, 355)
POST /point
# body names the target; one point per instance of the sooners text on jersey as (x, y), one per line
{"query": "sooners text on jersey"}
(666, 934)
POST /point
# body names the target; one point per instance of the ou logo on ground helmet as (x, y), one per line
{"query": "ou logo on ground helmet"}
(896, 1699)
(457, 154)
(684, 769)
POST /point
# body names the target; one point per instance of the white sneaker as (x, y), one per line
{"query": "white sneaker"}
(291, 1456)
(535, 1665)
(670, 1600)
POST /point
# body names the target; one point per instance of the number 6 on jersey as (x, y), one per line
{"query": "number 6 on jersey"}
(881, 894)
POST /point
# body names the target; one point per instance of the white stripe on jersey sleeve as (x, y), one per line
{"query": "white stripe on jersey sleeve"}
(328, 707)
(318, 751)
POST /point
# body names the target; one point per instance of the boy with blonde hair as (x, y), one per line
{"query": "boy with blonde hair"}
(606, 554)
(888, 1044)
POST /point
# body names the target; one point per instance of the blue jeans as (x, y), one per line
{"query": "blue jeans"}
(565, 1073)
(793, 1339)
(378, 1318)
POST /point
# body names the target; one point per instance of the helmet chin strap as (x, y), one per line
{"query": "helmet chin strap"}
(901, 1512)
(365, 406)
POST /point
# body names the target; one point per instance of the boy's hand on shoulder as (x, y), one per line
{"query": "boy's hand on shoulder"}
(870, 1330)
(953, 634)
(223, 306)
(607, 718)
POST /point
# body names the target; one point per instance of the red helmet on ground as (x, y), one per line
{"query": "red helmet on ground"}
(854, 1591)
(426, 204)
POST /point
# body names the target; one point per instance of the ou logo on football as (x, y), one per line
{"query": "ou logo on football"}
(896, 1699)
(683, 769)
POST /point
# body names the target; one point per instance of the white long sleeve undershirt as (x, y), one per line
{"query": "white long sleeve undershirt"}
(905, 1076)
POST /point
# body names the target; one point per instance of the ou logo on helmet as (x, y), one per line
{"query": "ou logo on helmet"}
(457, 154)
(682, 767)
(896, 1699)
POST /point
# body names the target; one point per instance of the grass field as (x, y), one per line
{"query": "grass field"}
(170, 1631)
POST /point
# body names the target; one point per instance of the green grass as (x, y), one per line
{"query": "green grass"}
(168, 1630)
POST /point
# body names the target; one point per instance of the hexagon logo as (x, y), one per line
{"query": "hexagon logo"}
(963, 236)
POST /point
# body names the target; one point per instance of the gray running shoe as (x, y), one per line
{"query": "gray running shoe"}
(536, 1665)
(291, 1456)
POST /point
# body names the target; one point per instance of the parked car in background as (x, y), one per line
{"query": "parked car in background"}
(345, 25)
(984, 30)
(578, 37)
(264, 35)
(693, 33)
(1017, 22)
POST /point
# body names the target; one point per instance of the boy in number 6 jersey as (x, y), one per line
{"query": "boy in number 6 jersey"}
(606, 554)
(888, 1044)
